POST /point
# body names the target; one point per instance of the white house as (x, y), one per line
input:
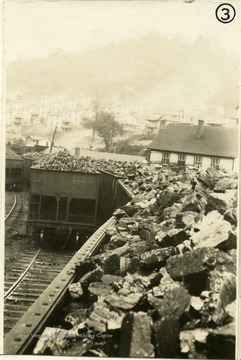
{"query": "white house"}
(37, 140)
(196, 145)
(154, 124)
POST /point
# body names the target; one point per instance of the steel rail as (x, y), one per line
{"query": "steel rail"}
(8, 293)
(19, 339)
(12, 208)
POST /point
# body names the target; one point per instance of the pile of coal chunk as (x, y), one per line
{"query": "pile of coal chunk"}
(165, 283)
(33, 155)
(65, 161)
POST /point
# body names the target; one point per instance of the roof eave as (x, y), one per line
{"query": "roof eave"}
(230, 156)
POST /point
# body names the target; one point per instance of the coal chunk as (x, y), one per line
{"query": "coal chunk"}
(173, 303)
(218, 234)
(102, 318)
(221, 342)
(123, 302)
(199, 261)
(156, 257)
(136, 336)
(166, 337)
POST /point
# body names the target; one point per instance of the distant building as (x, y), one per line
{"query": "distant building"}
(65, 121)
(53, 120)
(233, 118)
(129, 123)
(155, 123)
(152, 126)
(37, 140)
(34, 119)
(196, 145)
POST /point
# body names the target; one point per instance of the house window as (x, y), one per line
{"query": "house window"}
(165, 158)
(181, 159)
(198, 160)
(215, 161)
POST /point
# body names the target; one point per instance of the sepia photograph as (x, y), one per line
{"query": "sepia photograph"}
(120, 141)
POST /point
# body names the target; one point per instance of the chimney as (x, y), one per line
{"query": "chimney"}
(200, 129)
(77, 151)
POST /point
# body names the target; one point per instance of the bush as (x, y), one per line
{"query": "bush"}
(124, 147)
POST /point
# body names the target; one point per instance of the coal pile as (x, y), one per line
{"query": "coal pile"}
(64, 161)
(165, 284)
(33, 155)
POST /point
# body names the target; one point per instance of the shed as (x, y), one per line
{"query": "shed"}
(13, 166)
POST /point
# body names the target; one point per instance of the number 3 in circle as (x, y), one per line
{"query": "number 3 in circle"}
(225, 13)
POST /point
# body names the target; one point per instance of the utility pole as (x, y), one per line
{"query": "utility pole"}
(181, 114)
(96, 103)
(52, 141)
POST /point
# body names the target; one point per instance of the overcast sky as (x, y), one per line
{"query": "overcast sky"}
(37, 29)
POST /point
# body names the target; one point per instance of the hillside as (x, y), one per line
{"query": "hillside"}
(152, 69)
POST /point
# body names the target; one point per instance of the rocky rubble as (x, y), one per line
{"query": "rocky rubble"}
(165, 283)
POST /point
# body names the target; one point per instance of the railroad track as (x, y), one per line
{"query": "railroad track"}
(31, 272)
(9, 212)
(15, 213)
(22, 336)
(28, 278)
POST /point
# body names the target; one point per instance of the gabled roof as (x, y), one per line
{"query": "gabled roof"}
(37, 137)
(11, 155)
(154, 120)
(215, 141)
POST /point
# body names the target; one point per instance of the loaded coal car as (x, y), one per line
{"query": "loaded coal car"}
(27, 163)
(63, 202)
(29, 159)
(14, 171)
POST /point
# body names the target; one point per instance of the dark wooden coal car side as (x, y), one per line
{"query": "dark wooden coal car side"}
(13, 168)
(27, 163)
(63, 205)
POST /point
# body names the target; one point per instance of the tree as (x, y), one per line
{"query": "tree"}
(106, 127)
